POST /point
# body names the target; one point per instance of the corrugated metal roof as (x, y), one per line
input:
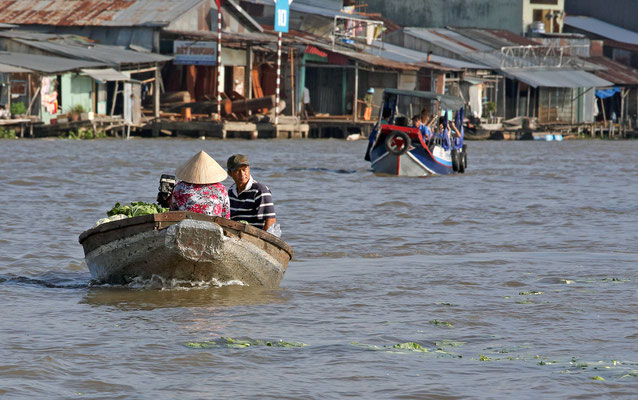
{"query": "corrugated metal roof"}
(448, 39)
(601, 28)
(446, 101)
(8, 69)
(473, 80)
(495, 38)
(29, 35)
(485, 54)
(468, 48)
(84, 50)
(45, 64)
(235, 9)
(329, 4)
(619, 74)
(107, 75)
(316, 7)
(557, 78)
(94, 12)
(371, 59)
(244, 38)
(402, 54)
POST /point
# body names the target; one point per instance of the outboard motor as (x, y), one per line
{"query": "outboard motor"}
(165, 190)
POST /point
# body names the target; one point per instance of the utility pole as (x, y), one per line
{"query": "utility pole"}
(282, 18)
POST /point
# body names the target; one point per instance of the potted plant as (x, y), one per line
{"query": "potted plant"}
(75, 112)
(489, 109)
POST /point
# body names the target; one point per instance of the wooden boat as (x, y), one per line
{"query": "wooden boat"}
(184, 246)
(397, 148)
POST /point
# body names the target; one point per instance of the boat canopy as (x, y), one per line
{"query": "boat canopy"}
(446, 101)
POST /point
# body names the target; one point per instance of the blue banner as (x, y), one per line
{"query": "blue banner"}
(282, 14)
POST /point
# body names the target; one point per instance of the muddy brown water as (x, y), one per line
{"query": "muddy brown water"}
(517, 279)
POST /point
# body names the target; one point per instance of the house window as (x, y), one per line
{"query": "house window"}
(550, 18)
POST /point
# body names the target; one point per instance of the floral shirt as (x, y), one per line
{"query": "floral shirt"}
(209, 199)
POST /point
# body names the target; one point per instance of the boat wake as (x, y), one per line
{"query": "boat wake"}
(73, 281)
(160, 283)
(50, 280)
(334, 171)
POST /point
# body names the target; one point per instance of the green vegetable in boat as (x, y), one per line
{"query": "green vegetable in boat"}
(110, 219)
(136, 209)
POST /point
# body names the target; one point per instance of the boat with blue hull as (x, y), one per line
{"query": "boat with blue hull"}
(395, 148)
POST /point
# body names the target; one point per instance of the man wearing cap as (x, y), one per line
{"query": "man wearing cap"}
(250, 200)
(199, 188)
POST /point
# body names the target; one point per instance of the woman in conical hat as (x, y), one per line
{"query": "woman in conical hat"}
(199, 188)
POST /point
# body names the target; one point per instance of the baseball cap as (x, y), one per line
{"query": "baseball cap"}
(235, 161)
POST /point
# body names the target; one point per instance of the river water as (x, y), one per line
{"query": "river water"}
(517, 279)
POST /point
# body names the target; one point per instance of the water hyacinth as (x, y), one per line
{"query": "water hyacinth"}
(412, 346)
(441, 323)
(228, 342)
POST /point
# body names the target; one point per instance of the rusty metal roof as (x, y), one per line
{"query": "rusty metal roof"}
(619, 74)
(372, 59)
(244, 38)
(94, 12)
(269, 40)
(494, 38)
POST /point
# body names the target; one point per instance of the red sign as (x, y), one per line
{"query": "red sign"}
(19, 87)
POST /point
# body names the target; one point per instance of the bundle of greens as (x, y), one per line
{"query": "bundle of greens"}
(135, 209)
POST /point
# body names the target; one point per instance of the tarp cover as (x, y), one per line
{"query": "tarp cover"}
(604, 93)
(451, 102)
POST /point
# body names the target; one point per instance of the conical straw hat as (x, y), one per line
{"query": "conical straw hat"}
(201, 169)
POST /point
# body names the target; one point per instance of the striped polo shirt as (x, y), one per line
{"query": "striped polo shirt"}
(254, 205)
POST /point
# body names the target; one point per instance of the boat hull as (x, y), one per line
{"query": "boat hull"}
(185, 247)
(416, 161)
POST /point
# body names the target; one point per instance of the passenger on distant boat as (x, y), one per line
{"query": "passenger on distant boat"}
(423, 128)
(445, 127)
(385, 117)
(250, 200)
(199, 188)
